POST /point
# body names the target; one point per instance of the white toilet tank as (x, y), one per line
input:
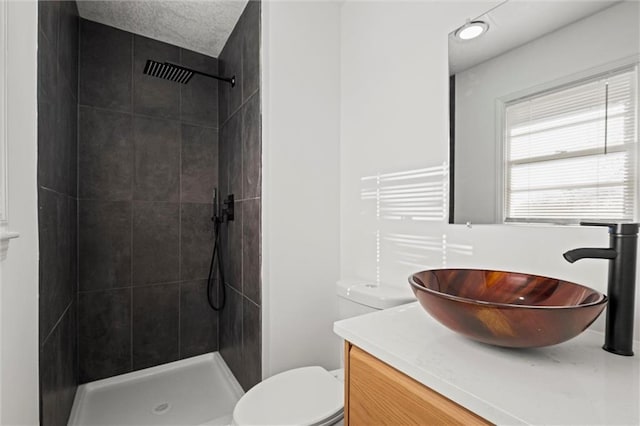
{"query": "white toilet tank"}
(358, 297)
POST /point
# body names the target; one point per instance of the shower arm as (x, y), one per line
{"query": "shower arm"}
(230, 80)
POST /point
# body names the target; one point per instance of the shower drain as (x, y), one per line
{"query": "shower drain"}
(161, 409)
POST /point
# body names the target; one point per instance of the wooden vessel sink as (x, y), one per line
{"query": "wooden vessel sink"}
(507, 308)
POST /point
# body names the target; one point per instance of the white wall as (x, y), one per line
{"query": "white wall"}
(300, 220)
(355, 102)
(394, 100)
(19, 272)
(603, 38)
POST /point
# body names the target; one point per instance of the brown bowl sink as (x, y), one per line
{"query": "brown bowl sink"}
(507, 308)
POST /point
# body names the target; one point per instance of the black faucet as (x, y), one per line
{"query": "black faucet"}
(623, 242)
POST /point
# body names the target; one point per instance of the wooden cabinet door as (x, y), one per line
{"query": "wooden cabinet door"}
(377, 394)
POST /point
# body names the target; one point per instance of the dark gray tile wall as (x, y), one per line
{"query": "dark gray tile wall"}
(57, 207)
(240, 173)
(195, 107)
(155, 96)
(197, 156)
(105, 154)
(156, 242)
(105, 244)
(196, 338)
(105, 67)
(148, 162)
(157, 159)
(156, 337)
(104, 321)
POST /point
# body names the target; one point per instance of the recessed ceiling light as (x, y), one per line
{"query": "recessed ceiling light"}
(472, 30)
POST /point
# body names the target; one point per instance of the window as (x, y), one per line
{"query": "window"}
(570, 152)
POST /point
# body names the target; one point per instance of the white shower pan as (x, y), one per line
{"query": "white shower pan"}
(195, 391)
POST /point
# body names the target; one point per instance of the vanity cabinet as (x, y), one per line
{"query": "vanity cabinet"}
(376, 393)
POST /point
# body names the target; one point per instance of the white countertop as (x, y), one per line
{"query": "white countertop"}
(575, 382)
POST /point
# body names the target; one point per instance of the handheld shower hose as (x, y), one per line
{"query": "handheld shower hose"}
(216, 254)
(220, 216)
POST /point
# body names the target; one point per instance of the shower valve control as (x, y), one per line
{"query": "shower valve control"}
(227, 211)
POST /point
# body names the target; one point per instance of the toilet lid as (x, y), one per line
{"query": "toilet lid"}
(304, 396)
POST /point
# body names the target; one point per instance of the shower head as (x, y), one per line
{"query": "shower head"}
(168, 71)
(178, 73)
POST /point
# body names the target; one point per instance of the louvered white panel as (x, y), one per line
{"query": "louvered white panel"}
(571, 152)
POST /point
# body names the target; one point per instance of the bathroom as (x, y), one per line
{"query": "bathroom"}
(349, 93)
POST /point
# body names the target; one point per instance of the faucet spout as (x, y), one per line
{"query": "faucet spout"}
(591, 253)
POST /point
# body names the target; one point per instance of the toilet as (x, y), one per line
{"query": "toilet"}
(312, 395)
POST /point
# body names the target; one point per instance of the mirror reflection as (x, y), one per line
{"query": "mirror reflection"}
(543, 113)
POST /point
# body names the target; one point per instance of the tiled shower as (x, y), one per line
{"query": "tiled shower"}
(147, 169)
(126, 202)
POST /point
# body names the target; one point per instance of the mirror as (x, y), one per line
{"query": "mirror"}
(531, 49)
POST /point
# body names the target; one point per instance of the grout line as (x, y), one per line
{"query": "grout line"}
(77, 324)
(161, 283)
(217, 71)
(242, 204)
(153, 117)
(132, 203)
(131, 329)
(242, 349)
(57, 323)
(141, 201)
(77, 261)
(77, 253)
(131, 306)
(133, 70)
(40, 30)
(156, 284)
(181, 144)
(249, 199)
(180, 320)
(53, 190)
(180, 87)
(242, 38)
(252, 301)
(242, 103)
(217, 142)
(218, 315)
(234, 289)
(99, 290)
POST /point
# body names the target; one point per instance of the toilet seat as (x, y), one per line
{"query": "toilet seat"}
(304, 396)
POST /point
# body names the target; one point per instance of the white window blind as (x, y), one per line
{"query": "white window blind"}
(570, 153)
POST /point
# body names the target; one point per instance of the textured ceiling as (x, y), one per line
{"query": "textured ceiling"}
(203, 26)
